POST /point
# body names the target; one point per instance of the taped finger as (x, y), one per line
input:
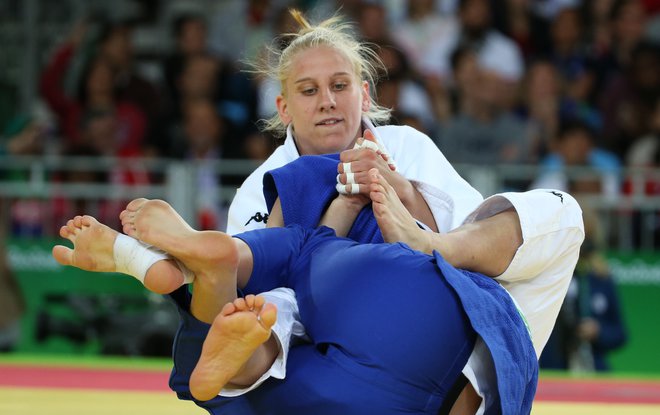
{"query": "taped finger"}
(347, 168)
(344, 188)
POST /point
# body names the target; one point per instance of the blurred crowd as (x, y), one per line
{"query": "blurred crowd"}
(554, 83)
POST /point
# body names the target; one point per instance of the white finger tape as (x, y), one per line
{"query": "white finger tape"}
(347, 168)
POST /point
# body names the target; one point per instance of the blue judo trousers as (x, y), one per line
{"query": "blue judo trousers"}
(391, 328)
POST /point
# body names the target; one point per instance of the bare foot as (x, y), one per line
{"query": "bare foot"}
(156, 223)
(395, 222)
(237, 332)
(93, 244)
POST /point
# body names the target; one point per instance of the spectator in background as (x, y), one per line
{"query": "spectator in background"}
(190, 40)
(644, 154)
(196, 81)
(541, 105)
(482, 131)
(95, 92)
(399, 90)
(24, 135)
(203, 131)
(12, 303)
(571, 56)
(516, 19)
(427, 38)
(575, 146)
(372, 22)
(590, 324)
(645, 150)
(8, 104)
(496, 52)
(116, 47)
(627, 20)
(598, 25)
(549, 98)
(629, 99)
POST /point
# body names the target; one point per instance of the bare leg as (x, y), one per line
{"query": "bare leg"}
(212, 256)
(93, 251)
(237, 349)
(486, 246)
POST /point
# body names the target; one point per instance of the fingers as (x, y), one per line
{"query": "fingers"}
(369, 136)
(369, 142)
(348, 189)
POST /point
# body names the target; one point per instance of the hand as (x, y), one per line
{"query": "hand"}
(355, 165)
(588, 329)
(27, 141)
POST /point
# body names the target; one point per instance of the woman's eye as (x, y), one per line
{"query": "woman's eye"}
(340, 86)
(309, 91)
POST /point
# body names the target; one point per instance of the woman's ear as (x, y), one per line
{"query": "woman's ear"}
(282, 110)
(366, 99)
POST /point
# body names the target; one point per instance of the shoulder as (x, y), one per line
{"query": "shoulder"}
(401, 134)
(251, 190)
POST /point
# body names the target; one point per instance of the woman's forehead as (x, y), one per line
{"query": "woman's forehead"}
(320, 61)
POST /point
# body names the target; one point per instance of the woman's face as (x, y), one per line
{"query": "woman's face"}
(324, 100)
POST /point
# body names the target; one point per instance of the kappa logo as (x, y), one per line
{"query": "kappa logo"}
(258, 217)
(559, 195)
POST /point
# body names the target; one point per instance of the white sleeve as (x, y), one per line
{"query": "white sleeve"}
(551, 225)
(419, 160)
(286, 328)
(248, 207)
(541, 269)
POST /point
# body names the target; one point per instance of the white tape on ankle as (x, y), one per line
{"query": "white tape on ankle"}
(134, 258)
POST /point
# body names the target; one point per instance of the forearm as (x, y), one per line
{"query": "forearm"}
(341, 213)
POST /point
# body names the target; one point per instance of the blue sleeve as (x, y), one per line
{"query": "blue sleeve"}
(305, 186)
(278, 253)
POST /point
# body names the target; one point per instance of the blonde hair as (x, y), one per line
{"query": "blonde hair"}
(333, 33)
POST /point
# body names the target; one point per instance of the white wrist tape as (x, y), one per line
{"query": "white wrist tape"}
(134, 258)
